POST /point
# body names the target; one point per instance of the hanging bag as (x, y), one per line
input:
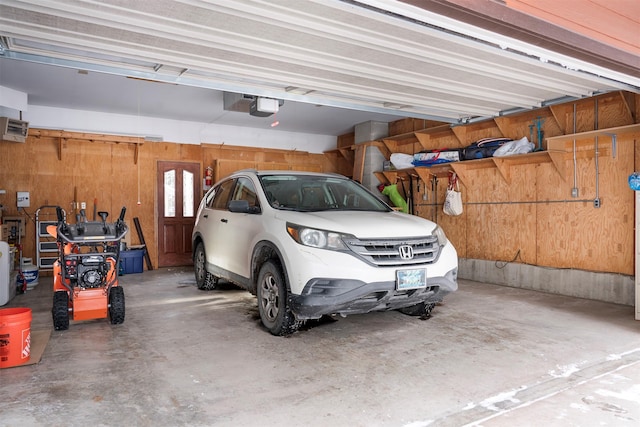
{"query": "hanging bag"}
(453, 199)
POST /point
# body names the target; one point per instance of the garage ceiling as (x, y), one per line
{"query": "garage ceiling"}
(386, 58)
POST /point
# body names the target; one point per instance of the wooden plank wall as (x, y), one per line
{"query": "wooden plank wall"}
(533, 218)
(104, 167)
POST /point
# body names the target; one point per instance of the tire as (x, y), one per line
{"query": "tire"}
(273, 301)
(204, 280)
(421, 309)
(60, 310)
(116, 305)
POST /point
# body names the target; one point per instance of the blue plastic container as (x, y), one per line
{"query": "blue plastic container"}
(132, 261)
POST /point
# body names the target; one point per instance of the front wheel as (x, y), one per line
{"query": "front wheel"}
(204, 280)
(421, 309)
(273, 302)
(60, 310)
(116, 305)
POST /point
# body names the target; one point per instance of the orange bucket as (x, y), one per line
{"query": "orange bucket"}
(15, 336)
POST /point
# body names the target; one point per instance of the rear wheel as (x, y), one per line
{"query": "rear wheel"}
(116, 305)
(273, 302)
(204, 280)
(60, 310)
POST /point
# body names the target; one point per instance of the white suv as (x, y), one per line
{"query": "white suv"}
(312, 244)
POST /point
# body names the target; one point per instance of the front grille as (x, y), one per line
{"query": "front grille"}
(387, 252)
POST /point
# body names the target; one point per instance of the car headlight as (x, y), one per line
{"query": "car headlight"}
(315, 238)
(439, 233)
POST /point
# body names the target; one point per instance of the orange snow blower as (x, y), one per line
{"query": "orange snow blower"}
(85, 275)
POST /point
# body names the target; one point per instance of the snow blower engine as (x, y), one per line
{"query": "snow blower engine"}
(85, 275)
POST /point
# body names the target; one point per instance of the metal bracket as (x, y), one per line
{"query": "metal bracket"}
(614, 144)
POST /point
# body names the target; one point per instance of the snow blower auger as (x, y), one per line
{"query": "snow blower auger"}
(85, 275)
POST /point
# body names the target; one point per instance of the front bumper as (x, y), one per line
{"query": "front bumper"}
(343, 296)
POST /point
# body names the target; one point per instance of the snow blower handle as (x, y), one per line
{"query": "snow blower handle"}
(59, 214)
(120, 226)
(61, 223)
(103, 215)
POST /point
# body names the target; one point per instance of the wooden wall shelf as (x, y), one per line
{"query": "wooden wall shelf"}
(462, 168)
(560, 150)
(504, 164)
(563, 142)
(561, 147)
(66, 136)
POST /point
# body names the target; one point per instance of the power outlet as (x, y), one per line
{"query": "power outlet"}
(597, 203)
(83, 205)
(574, 192)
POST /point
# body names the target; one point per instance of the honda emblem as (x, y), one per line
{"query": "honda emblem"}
(406, 252)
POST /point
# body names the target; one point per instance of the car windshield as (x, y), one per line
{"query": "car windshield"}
(310, 193)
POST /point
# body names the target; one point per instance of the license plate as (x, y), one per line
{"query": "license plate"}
(411, 279)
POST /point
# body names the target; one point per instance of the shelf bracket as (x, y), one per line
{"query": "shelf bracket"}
(558, 160)
(424, 175)
(461, 172)
(503, 168)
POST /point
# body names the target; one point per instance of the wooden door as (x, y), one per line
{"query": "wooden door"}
(179, 193)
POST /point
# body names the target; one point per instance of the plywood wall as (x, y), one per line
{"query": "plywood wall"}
(60, 167)
(529, 216)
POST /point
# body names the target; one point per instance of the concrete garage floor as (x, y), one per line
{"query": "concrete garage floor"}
(490, 356)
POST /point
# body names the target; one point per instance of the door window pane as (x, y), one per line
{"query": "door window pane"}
(187, 194)
(245, 191)
(170, 193)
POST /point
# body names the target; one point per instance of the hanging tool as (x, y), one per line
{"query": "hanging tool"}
(410, 195)
(434, 191)
(540, 132)
(405, 194)
(531, 126)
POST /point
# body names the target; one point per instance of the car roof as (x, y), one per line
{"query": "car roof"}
(287, 172)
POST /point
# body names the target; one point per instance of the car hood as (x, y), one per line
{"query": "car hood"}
(362, 224)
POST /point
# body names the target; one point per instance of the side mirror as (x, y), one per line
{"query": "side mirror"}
(242, 206)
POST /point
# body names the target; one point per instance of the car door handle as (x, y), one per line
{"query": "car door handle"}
(225, 220)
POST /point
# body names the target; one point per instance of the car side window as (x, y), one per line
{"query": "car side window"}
(245, 190)
(221, 197)
(208, 198)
